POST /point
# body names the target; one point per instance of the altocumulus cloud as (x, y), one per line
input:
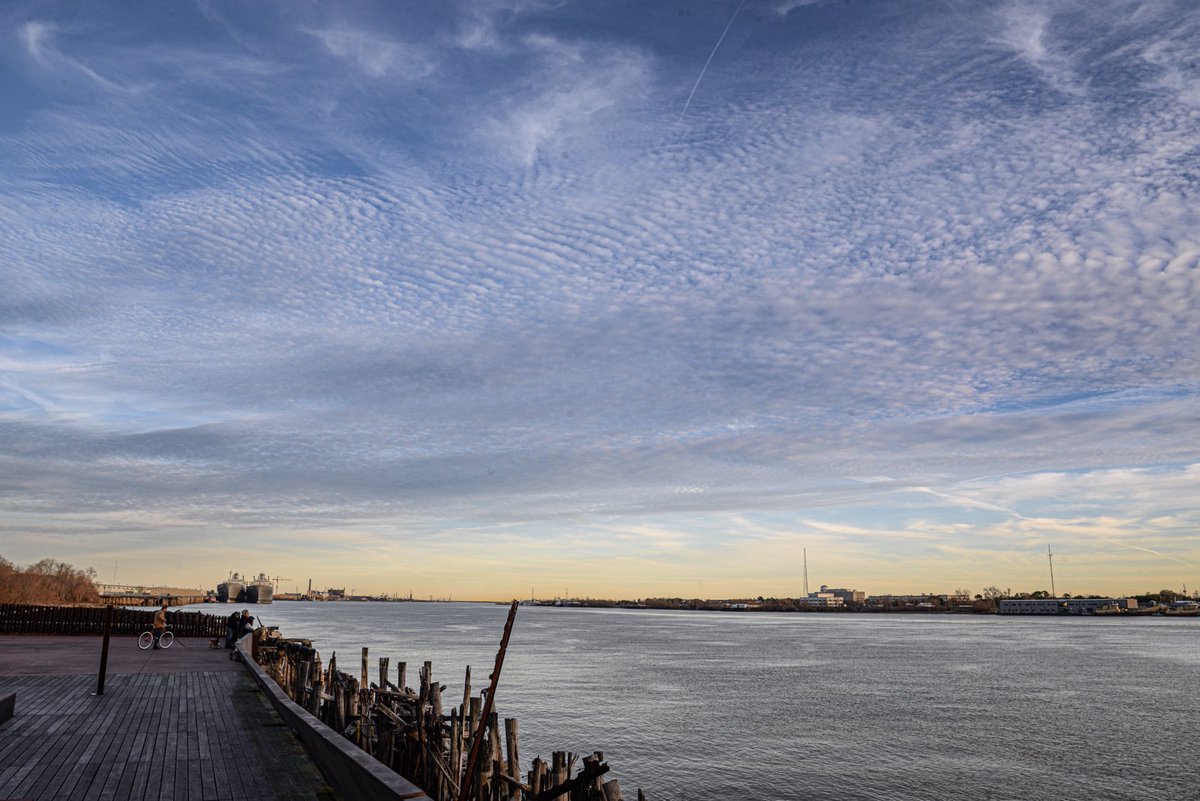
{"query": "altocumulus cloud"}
(468, 267)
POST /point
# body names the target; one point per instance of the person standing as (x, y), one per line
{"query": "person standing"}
(160, 623)
(233, 628)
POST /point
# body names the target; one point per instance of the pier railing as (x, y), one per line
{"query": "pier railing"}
(69, 620)
(422, 737)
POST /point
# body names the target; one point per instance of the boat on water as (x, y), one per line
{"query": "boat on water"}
(261, 590)
(1108, 609)
(1183, 609)
(232, 590)
(1152, 609)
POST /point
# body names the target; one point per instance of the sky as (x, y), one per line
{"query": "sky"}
(484, 298)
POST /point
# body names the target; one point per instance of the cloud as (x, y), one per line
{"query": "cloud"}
(1026, 30)
(37, 37)
(786, 7)
(576, 84)
(500, 289)
(483, 23)
(34, 35)
(1168, 49)
(375, 55)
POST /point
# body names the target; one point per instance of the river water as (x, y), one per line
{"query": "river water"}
(698, 706)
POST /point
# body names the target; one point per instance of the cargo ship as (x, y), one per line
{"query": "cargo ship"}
(232, 590)
(261, 590)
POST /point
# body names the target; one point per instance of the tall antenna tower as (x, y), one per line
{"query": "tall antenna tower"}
(805, 572)
(1050, 556)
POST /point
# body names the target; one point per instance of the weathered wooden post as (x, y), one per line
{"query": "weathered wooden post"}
(472, 759)
(535, 776)
(302, 671)
(108, 624)
(514, 759)
(318, 688)
(559, 773)
(465, 709)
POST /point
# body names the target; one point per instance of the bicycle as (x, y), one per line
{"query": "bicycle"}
(146, 639)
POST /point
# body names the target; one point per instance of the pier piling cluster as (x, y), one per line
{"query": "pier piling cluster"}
(419, 734)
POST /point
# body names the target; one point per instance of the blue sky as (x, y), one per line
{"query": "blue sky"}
(457, 297)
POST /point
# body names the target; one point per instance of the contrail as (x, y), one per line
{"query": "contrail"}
(710, 58)
(993, 507)
(1147, 550)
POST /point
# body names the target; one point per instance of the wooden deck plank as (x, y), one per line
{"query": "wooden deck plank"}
(65, 744)
(98, 721)
(55, 733)
(31, 695)
(94, 756)
(182, 737)
(194, 778)
(248, 700)
(170, 751)
(232, 747)
(32, 700)
(150, 773)
(122, 791)
(125, 753)
(208, 783)
(218, 736)
(91, 767)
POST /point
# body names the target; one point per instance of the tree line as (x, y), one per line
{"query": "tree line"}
(1163, 596)
(46, 582)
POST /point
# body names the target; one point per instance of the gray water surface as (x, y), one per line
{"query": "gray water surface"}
(697, 706)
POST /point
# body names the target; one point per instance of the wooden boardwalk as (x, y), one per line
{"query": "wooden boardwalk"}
(194, 734)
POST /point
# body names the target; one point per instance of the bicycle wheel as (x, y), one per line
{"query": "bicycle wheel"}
(166, 639)
(146, 640)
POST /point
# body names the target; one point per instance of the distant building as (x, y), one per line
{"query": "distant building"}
(822, 599)
(1055, 606)
(847, 596)
(899, 601)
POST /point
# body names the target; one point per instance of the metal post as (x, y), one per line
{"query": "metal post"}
(108, 623)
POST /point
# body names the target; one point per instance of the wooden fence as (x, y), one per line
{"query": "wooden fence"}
(29, 619)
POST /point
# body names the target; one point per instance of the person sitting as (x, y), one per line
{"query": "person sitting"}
(160, 624)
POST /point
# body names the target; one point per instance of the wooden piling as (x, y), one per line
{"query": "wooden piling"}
(460, 755)
(514, 759)
(301, 686)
